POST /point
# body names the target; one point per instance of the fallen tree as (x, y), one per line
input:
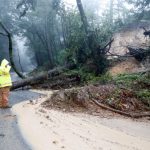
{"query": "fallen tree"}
(36, 79)
(40, 77)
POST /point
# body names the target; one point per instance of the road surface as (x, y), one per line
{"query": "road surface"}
(10, 137)
(55, 130)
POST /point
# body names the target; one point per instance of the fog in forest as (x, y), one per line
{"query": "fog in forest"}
(78, 71)
(23, 55)
(50, 33)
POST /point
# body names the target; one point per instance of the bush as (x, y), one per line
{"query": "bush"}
(144, 95)
(90, 78)
(102, 79)
(126, 79)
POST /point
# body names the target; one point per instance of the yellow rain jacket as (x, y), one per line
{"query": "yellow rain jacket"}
(5, 78)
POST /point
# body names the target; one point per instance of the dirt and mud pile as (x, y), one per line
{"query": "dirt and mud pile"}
(82, 99)
(130, 36)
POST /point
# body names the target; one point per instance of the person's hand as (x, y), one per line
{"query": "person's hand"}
(6, 65)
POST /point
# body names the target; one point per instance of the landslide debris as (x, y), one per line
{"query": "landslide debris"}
(82, 99)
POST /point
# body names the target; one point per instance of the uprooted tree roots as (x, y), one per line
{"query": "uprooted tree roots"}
(93, 98)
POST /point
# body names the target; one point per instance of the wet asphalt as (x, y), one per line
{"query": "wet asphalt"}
(10, 136)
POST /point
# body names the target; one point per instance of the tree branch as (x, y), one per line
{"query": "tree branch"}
(132, 115)
(108, 44)
(3, 34)
(4, 28)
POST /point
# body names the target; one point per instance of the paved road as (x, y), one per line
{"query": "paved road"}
(10, 137)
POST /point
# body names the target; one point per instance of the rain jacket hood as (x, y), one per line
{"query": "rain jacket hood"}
(4, 63)
(5, 79)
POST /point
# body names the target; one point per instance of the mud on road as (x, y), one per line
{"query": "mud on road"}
(10, 135)
(57, 130)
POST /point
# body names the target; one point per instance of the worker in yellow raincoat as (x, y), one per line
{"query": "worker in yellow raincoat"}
(5, 83)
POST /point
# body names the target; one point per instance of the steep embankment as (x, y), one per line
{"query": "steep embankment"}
(132, 36)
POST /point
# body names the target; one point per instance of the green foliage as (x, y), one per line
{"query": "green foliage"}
(56, 35)
(84, 76)
(126, 79)
(65, 56)
(144, 94)
(90, 78)
(102, 79)
(138, 83)
(135, 80)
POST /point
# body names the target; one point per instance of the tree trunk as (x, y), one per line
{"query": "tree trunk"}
(83, 17)
(111, 12)
(36, 79)
(39, 78)
(11, 51)
(11, 58)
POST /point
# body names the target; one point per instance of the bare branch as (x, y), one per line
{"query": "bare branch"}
(3, 34)
(108, 44)
(4, 28)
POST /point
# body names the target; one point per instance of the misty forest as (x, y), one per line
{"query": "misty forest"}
(74, 74)
(89, 45)
(65, 44)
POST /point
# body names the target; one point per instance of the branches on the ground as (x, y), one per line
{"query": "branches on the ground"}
(119, 56)
(133, 115)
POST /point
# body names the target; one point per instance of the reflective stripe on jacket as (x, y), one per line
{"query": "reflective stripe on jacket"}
(5, 78)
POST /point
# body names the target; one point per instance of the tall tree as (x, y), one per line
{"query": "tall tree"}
(83, 17)
(111, 12)
(8, 35)
(97, 51)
